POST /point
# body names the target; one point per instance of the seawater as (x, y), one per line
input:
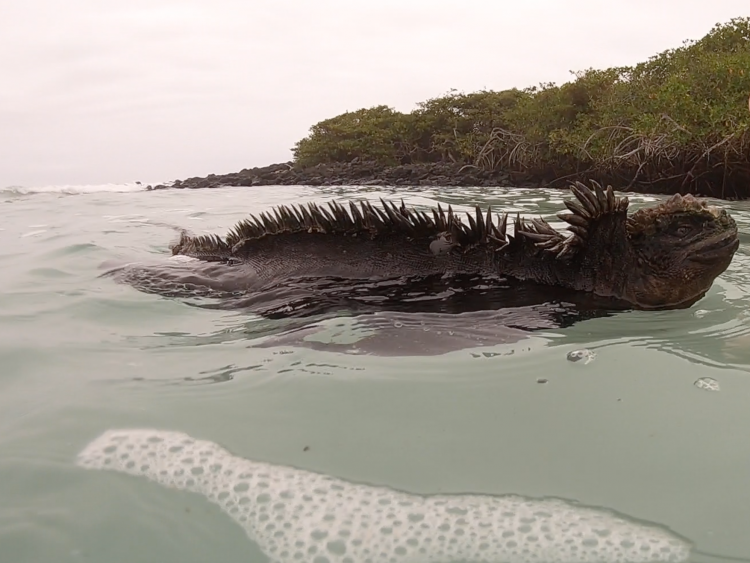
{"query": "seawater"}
(510, 442)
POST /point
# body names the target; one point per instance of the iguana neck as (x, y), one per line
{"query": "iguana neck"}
(608, 263)
(605, 266)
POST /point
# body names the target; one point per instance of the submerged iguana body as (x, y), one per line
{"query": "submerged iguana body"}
(660, 257)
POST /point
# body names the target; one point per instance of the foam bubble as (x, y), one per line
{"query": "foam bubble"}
(296, 515)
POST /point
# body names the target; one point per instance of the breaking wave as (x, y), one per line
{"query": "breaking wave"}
(295, 515)
(75, 189)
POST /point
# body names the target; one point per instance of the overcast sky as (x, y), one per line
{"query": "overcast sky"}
(97, 91)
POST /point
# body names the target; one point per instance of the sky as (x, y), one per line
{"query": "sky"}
(97, 91)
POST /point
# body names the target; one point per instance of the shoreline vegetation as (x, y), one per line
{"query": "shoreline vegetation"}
(677, 123)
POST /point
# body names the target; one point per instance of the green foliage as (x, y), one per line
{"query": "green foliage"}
(366, 133)
(682, 112)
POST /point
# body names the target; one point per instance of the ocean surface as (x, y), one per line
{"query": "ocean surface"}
(138, 428)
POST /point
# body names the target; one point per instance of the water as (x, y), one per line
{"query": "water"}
(651, 424)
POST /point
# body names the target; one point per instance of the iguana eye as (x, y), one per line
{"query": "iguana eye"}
(682, 230)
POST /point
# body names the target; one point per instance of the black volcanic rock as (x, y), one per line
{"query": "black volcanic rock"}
(356, 172)
(368, 173)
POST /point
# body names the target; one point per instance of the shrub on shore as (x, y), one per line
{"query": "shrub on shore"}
(677, 122)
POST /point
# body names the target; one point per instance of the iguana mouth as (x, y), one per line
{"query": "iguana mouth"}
(716, 249)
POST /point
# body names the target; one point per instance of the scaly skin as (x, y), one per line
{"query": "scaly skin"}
(661, 257)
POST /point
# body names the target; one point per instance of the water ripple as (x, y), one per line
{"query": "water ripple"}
(481, 401)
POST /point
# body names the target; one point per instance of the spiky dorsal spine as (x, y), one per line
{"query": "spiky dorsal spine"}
(205, 246)
(363, 220)
(368, 220)
(589, 207)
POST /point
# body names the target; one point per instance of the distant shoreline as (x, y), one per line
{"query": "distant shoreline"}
(368, 173)
(355, 173)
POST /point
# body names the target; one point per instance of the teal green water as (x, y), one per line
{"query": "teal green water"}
(629, 431)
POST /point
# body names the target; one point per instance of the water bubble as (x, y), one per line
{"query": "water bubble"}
(584, 355)
(336, 547)
(707, 384)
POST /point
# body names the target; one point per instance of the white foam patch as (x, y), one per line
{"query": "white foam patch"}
(182, 258)
(296, 515)
(33, 233)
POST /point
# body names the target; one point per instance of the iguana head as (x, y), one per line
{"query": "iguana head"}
(661, 257)
(678, 248)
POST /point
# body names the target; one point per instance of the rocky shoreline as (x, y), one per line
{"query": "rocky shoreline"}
(368, 173)
(357, 173)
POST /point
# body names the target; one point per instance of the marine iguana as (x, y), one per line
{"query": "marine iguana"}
(662, 257)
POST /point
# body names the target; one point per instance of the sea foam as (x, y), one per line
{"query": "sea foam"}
(295, 515)
(74, 189)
